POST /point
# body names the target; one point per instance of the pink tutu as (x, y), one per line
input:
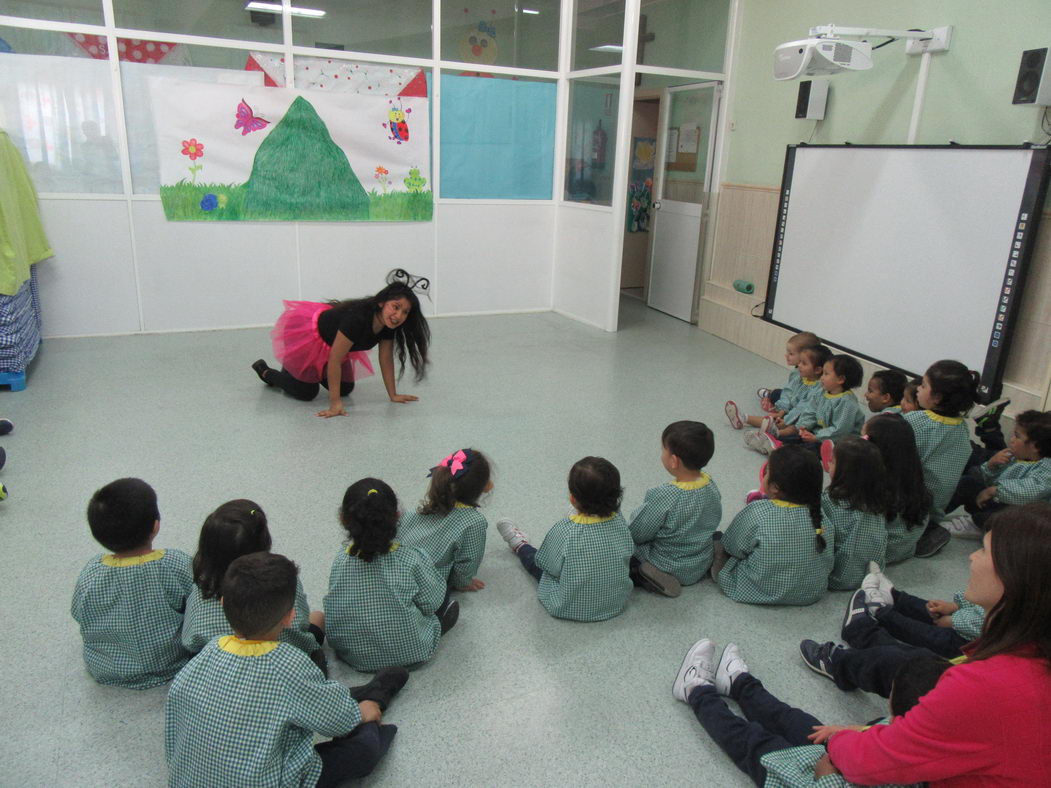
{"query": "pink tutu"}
(301, 350)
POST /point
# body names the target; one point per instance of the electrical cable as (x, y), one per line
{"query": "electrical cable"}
(813, 132)
(880, 46)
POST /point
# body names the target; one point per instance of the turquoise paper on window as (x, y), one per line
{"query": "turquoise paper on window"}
(498, 138)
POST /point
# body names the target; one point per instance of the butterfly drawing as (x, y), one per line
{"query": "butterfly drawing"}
(247, 121)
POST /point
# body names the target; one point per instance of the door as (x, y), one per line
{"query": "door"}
(689, 119)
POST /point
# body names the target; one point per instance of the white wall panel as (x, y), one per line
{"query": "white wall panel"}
(586, 278)
(197, 275)
(494, 258)
(88, 287)
(351, 260)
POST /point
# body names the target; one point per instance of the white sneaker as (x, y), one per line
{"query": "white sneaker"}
(877, 587)
(963, 526)
(511, 533)
(733, 414)
(696, 669)
(731, 665)
(759, 441)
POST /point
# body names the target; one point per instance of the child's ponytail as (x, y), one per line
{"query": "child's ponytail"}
(955, 387)
(370, 516)
(235, 529)
(795, 473)
(461, 477)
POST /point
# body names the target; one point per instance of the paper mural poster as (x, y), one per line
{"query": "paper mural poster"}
(230, 153)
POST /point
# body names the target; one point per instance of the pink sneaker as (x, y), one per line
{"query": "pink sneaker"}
(754, 495)
(733, 414)
(769, 426)
(828, 450)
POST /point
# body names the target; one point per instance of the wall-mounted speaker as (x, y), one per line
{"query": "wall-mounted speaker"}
(812, 98)
(1034, 78)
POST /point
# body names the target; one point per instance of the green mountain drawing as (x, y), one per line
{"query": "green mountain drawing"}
(300, 174)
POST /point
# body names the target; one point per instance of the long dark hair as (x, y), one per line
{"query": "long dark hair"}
(796, 472)
(1020, 541)
(234, 529)
(859, 479)
(414, 335)
(955, 386)
(369, 514)
(909, 498)
(466, 487)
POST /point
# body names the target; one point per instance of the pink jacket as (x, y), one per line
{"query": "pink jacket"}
(986, 723)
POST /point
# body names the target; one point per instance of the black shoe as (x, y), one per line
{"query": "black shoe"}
(383, 687)
(317, 656)
(261, 369)
(856, 610)
(448, 614)
(6, 425)
(3, 456)
(818, 656)
(990, 416)
(933, 540)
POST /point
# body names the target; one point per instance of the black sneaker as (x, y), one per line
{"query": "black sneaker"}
(818, 656)
(3, 457)
(261, 368)
(987, 415)
(383, 687)
(317, 656)
(933, 540)
(6, 425)
(448, 614)
(658, 581)
(856, 610)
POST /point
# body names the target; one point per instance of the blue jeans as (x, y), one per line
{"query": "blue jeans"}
(527, 555)
(909, 622)
(770, 724)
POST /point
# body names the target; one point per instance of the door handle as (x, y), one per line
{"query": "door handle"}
(656, 205)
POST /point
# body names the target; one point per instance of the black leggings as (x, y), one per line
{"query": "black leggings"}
(300, 389)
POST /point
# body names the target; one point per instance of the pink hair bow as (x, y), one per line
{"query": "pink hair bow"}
(454, 462)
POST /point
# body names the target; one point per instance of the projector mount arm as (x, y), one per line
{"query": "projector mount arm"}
(838, 31)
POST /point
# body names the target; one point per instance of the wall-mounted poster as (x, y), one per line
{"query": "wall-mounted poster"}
(232, 153)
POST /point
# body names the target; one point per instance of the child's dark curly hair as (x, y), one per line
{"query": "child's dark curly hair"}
(370, 516)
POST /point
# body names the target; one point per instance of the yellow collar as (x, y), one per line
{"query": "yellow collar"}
(695, 484)
(835, 396)
(943, 419)
(246, 648)
(393, 546)
(1029, 462)
(589, 519)
(810, 381)
(459, 505)
(135, 560)
(784, 504)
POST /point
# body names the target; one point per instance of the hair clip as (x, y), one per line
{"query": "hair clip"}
(418, 284)
(819, 531)
(458, 463)
(373, 491)
(252, 512)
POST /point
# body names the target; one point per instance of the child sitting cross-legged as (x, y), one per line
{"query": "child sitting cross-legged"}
(776, 551)
(583, 564)
(130, 603)
(244, 711)
(777, 745)
(673, 529)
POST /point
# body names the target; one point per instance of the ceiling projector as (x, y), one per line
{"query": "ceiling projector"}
(815, 57)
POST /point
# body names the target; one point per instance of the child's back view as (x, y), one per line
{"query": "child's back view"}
(130, 604)
(673, 529)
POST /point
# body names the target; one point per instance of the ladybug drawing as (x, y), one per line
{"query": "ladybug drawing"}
(397, 123)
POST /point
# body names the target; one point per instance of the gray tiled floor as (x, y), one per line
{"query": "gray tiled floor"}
(512, 697)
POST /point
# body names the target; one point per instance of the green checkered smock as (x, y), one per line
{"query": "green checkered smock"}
(586, 562)
(944, 444)
(205, 620)
(791, 392)
(773, 560)
(969, 619)
(860, 537)
(673, 528)
(833, 416)
(901, 540)
(380, 614)
(793, 767)
(244, 713)
(1020, 481)
(893, 409)
(455, 542)
(809, 394)
(130, 612)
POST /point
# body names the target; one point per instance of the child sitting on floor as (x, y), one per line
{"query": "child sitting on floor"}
(837, 411)
(583, 564)
(234, 529)
(781, 400)
(448, 525)
(1018, 474)
(776, 551)
(909, 403)
(245, 710)
(130, 604)
(777, 745)
(386, 603)
(885, 391)
(673, 528)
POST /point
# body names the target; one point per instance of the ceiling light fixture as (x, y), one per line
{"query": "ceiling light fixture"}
(275, 8)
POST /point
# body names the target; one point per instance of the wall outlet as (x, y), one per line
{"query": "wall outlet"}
(939, 42)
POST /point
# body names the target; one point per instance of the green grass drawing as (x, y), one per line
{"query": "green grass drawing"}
(401, 207)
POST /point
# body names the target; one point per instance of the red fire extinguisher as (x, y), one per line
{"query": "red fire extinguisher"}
(598, 148)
